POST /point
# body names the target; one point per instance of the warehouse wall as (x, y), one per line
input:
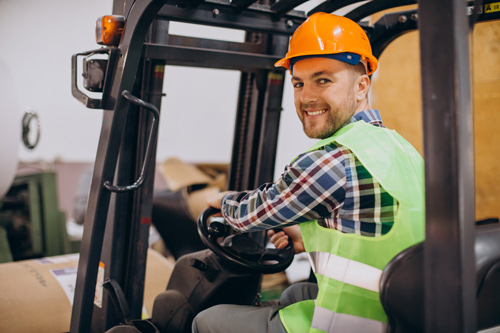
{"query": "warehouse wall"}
(37, 41)
(396, 92)
(486, 52)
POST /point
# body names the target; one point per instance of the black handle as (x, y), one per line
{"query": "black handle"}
(149, 150)
(119, 301)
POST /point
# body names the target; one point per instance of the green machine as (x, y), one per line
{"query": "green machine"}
(31, 224)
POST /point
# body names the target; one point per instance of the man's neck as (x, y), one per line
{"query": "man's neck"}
(362, 106)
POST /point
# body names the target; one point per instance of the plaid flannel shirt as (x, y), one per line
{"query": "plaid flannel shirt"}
(329, 185)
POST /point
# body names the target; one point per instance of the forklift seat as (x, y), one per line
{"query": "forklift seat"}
(402, 290)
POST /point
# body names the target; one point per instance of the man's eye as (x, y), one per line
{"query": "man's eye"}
(323, 81)
(298, 85)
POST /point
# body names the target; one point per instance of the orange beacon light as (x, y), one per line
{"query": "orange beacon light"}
(109, 29)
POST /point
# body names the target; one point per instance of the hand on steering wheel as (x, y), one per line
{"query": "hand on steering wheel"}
(241, 250)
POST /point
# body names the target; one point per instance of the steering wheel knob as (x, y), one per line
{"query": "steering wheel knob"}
(217, 229)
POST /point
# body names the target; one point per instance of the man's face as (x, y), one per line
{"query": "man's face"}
(324, 94)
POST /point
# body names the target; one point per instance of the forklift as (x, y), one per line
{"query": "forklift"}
(127, 72)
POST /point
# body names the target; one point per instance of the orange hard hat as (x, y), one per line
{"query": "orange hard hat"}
(324, 34)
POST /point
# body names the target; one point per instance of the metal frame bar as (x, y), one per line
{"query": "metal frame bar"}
(330, 6)
(240, 5)
(256, 18)
(392, 25)
(267, 143)
(376, 6)
(97, 220)
(200, 57)
(214, 44)
(389, 27)
(241, 156)
(449, 264)
(257, 118)
(283, 7)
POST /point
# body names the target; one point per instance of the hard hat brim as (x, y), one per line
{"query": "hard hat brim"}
(371, 61)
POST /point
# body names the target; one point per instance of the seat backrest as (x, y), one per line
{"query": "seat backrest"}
(402, 289)
(488, 275)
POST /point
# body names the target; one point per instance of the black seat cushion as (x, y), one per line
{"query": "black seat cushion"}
(402, 289)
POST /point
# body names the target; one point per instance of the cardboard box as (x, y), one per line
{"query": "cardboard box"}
(196, 182)
(36, 295)
(179, 174)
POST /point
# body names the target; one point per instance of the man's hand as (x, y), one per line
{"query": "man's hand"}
(215, 200)
(281, 239)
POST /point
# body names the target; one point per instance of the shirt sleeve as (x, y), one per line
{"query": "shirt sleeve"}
(311, 187)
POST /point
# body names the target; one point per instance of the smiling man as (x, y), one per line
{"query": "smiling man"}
(352, 202)
(327, 94)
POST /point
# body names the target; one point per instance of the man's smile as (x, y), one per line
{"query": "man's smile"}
(314, 112)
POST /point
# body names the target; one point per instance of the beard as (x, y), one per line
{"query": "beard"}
(337, 117)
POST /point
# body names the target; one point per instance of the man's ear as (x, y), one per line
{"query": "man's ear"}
(362, 86)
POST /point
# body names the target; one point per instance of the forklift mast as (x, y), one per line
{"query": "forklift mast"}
(130, 80)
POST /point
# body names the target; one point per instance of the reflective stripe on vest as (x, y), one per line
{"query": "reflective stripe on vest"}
(329, 321)
(346, 270)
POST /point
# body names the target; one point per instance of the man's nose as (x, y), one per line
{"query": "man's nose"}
(309, 94)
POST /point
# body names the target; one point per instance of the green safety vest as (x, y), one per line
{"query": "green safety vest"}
(348, 266)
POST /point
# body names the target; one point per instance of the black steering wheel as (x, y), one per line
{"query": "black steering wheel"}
(241, 250)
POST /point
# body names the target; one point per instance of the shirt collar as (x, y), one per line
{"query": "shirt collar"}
(369, 116)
